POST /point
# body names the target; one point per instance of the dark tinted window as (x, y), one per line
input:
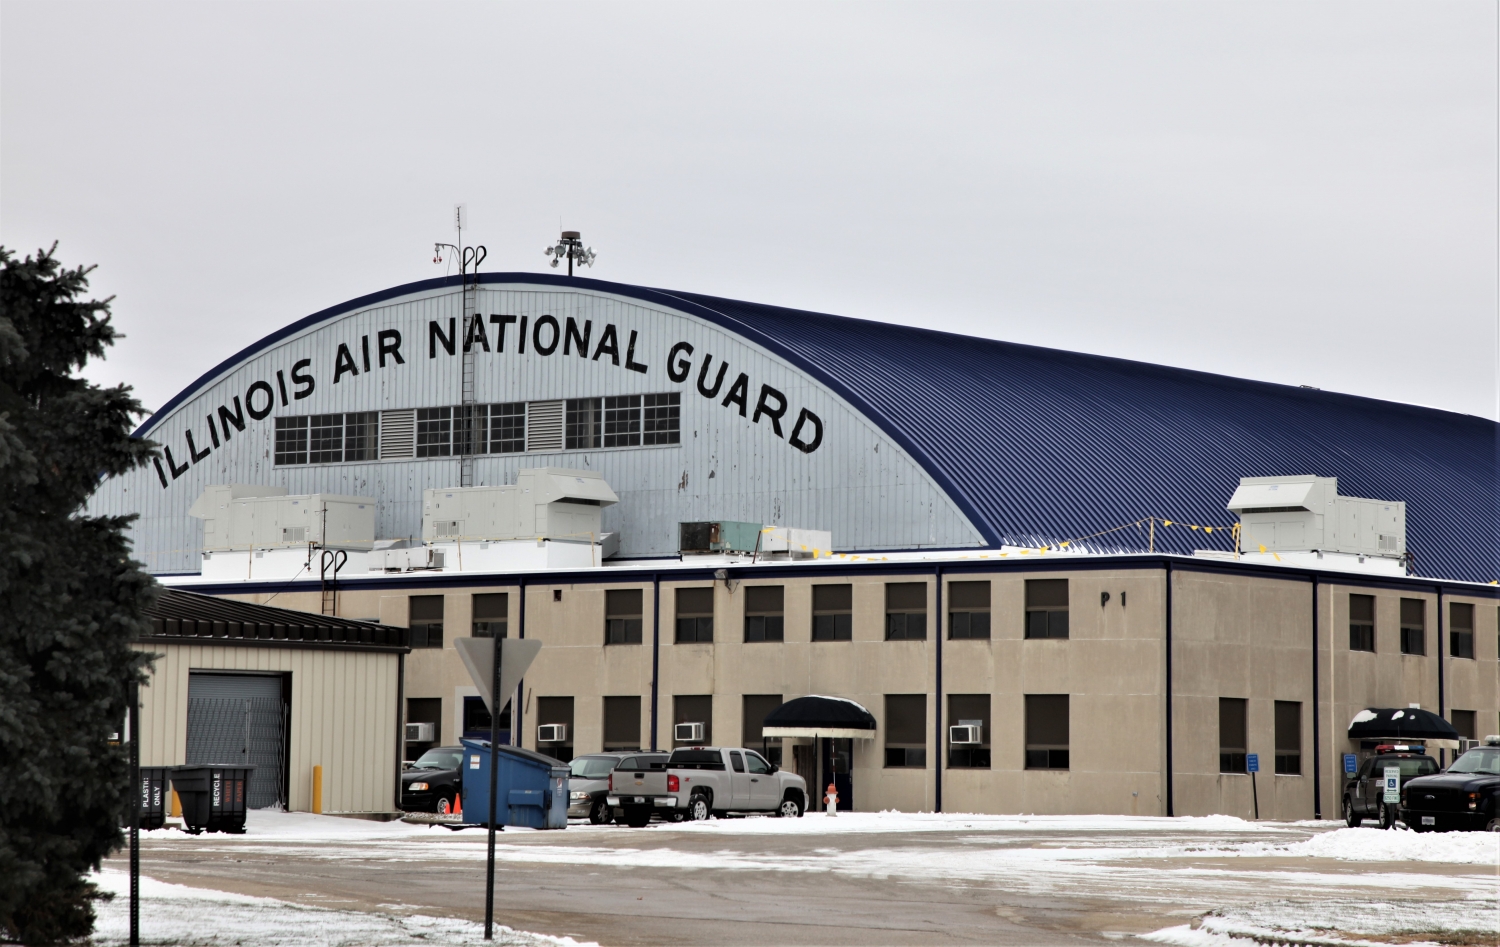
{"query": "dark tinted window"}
(696, 759)
(1413, 626)
(1046, 608)
(1047, 731)
(833, 618)
(1232, 734)
(763, 613)
(622, 616)
(968, 610)
(906, 730)
(1361, 623)
(905, 611)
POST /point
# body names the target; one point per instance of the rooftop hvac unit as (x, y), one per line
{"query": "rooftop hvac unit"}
(688, 733)
(421, 732)
(1306, 514)
(720, 536)
(242, 517)
(783, 542)
(965, 733)
(552, 733)
(544, 503)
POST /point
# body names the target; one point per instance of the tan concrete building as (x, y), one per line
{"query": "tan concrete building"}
(1103, 684)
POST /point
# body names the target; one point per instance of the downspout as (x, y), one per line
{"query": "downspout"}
(1317, 752)
(515, 702)
(1171, 808)
(1442, 691)
(655, 649)
(937, 778)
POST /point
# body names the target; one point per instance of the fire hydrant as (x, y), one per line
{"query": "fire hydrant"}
(831, 800)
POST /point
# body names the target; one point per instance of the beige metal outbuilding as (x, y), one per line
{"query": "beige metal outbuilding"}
(281, 689)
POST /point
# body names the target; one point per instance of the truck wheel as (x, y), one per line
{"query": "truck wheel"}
(1387, 816)
(698, 808)
(790, 808)
(638, 817)
(444, 806)
(1350, 819)
(599, 813)
(1494, 826)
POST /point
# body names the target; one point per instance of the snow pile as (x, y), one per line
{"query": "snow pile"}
(855, 823)
(1341, 922)
(1378, 845)
(190, 917)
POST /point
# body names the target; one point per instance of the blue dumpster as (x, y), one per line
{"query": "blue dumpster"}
(532, 789)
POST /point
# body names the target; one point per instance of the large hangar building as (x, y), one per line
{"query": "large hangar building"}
(967, 486)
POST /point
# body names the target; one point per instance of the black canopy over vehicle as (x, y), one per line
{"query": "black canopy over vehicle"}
(816, 716)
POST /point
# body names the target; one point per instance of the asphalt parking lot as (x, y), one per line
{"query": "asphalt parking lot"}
(864, 880)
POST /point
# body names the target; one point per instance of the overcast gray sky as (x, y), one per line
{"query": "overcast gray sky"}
(1301, 192)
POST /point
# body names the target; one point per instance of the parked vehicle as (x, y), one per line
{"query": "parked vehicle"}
(588, 786)
(1466, 796)
(701, 781)
(1364, 792)
(631, 788)
(432, 782)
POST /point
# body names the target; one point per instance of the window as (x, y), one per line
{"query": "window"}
(697, 708)
(434, 432)
(491, 614)
(763, 613)
(508, 428)
(361, 435)
(905, 730)
(424, 710)
(582, 422)
(1288, 738)
(695, 615)
(426, 621)
(968, 610)
(1361, 623)
(1232, 734)
(833, 612)
(622, 421)
(1413, 626)
(622, 723)
(905, 611)
(757, 765)
(291, 441)
(756, 708)
(555, 710)
(662, 419)
(622, 616)
(1464, 722)
(1046, 608)
(970, 710)
(1460, 630)
(326, 445)
(471, 429)
(477, 720)
(1047, 731)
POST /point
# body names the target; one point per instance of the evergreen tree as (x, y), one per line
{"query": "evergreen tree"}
(71, 600)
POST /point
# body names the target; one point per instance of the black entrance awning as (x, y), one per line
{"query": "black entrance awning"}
(817, 716)
(1405, 724)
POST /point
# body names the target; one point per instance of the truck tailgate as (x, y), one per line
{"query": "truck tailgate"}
(645, 784)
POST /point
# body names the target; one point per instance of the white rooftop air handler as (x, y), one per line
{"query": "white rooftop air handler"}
(1306, 514)
(240, 517)
(546, 503)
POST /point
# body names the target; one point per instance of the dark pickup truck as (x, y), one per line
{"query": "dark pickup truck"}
(1364, 793)
(1466, 796)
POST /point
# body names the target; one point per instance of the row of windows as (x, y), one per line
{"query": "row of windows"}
(455, 430)
(1413, 626)
(1234, 736)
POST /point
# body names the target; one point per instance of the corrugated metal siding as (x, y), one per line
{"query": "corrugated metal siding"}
(343, 717)
(942, 439)
(1041, 445)
(859, 484)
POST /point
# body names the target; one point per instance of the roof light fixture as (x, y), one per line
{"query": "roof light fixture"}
(570, 247)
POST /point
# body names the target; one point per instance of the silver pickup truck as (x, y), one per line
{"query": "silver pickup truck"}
(701, 781)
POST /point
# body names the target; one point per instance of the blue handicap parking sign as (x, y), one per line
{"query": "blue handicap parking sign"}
(1252, 762)
(1351, 763)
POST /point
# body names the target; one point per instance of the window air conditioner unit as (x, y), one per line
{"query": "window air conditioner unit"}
(552, 733)
(965, 733)
(421, 732)
(688, 733)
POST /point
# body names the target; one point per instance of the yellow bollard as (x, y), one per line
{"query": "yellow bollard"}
(176, 805)
(317, 800)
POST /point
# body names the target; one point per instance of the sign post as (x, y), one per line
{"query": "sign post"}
(1252, 764)
(1391, 798)
(496, 672)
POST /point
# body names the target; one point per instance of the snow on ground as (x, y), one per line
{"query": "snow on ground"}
(1343, 922)
(197, 917)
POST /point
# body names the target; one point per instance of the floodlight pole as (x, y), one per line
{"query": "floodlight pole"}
(134, 691)
(495, 704)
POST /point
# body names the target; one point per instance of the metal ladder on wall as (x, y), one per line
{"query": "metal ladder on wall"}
(463, 427)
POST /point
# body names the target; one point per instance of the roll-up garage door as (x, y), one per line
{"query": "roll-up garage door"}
(240, 720)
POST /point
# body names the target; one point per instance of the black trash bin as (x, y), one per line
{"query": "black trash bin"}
(155, 798)
(212, 797)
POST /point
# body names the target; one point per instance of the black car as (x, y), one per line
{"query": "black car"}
(1364, 792)
(1466, 796)
(434, 781)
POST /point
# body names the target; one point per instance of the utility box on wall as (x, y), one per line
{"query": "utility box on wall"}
(1302, 514)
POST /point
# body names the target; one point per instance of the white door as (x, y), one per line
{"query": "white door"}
(739, 781)
(763, 782)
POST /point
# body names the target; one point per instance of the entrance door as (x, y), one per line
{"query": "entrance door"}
(838, 759)
(240, 720)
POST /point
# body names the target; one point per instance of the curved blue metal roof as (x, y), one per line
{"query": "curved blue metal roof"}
(1038, 445)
